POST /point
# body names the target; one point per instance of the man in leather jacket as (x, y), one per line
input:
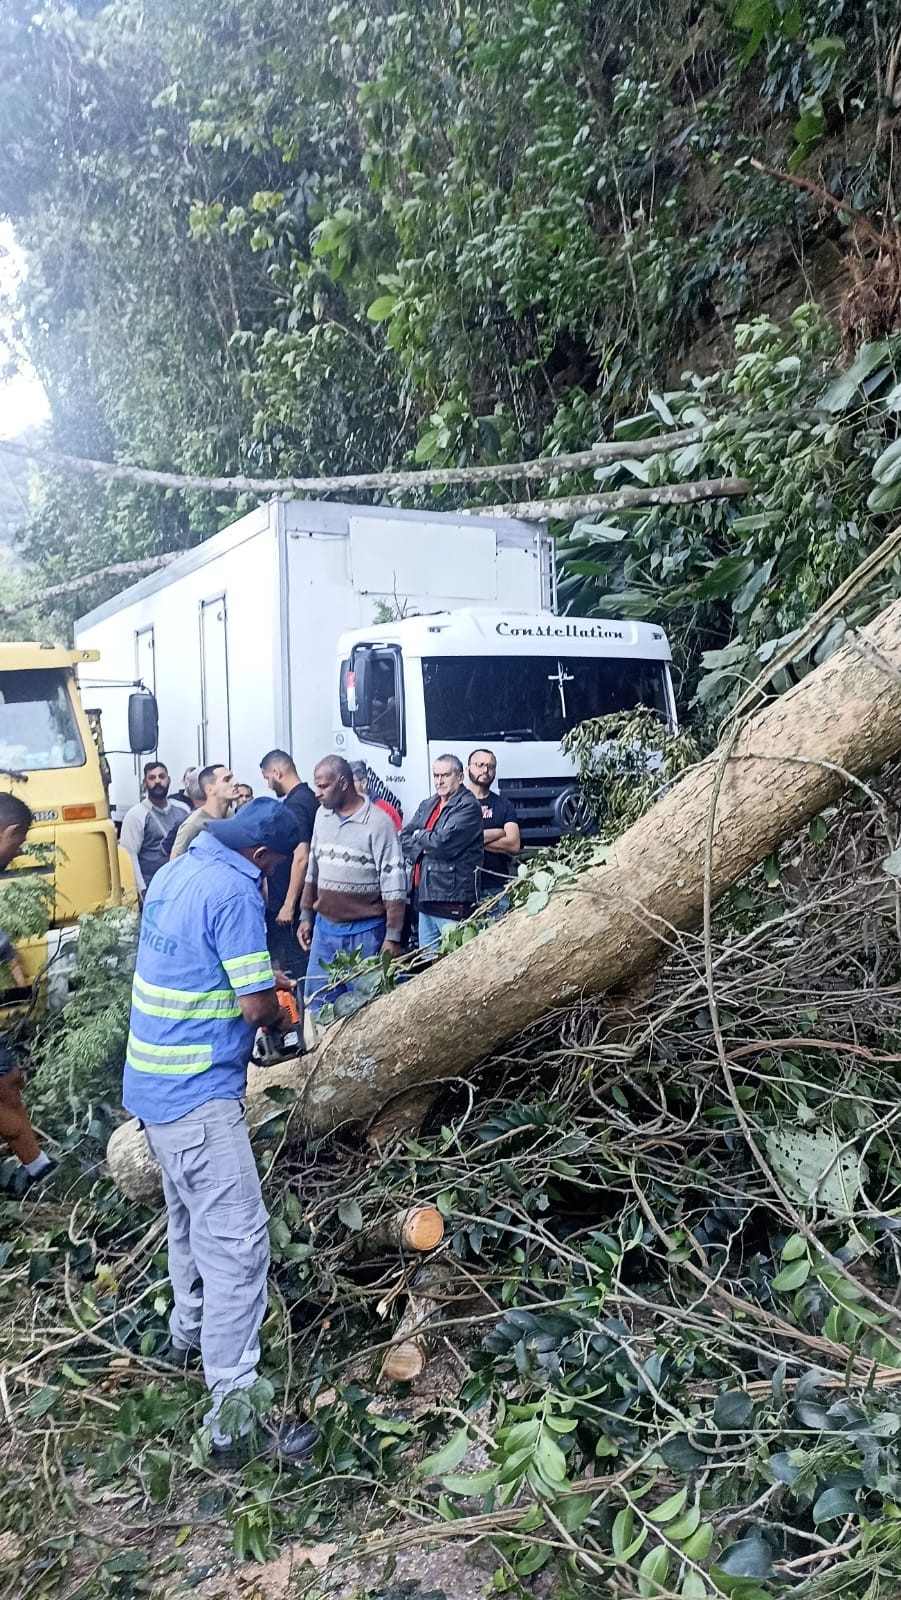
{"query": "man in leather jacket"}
(443, 844)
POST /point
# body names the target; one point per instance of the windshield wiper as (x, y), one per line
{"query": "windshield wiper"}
(8, 772)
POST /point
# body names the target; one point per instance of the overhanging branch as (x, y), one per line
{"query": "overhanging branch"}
(581, 505)
(117, 569)
(542, 467)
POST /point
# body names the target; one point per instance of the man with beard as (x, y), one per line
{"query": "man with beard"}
(146, 829)
(286, 884)
(501, 836)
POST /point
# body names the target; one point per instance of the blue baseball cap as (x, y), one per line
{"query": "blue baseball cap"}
(261, 822)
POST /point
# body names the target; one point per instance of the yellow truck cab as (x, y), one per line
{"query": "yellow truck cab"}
(51, 756)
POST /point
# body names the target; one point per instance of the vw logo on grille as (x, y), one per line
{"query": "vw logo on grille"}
(570, 812)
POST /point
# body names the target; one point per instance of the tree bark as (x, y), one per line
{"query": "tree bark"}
(427, 1301)
(583, 505)
(118, 569)
(613, 922)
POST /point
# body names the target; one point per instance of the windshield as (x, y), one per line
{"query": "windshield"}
(533, 697)
(38, 730)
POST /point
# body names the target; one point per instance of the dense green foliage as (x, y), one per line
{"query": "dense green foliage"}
(303, 236)
(79, 1053)
(735, 579)
(26, 898)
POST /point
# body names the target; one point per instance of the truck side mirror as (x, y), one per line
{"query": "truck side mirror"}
(360, 699)
(143, 723)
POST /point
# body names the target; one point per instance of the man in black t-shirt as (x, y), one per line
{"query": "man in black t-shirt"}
(502, 840)
(285, 886)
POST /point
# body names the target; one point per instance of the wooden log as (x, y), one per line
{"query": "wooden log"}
(612, 923)
(427, 1303)
(420, 1228)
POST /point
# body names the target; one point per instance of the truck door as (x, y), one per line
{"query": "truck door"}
(214, 742)
(373, 710)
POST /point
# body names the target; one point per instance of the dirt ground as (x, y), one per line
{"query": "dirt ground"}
(191, 1555)
(318, 1572)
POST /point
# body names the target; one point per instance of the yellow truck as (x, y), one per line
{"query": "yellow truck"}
(51, 756)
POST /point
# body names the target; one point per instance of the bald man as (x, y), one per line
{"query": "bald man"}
(355, 892)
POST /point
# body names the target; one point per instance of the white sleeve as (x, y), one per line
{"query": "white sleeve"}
(132, 839)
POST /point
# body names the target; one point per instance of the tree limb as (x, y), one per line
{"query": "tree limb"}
(432, 477)
(666, 494)
(117, 569)
(858, 218)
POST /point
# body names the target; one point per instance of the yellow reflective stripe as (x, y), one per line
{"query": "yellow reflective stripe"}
(183, 1004)
(260, 973)
(224, 1011)
(177, 1059)
(237, 965)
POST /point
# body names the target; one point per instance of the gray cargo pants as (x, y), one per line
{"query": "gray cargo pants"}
(218, 1244)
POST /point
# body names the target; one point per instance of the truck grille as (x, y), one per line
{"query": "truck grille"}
(546, 808)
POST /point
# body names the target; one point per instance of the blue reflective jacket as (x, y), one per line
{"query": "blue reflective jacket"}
(203, 943)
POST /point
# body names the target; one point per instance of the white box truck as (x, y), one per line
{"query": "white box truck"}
(273, 633)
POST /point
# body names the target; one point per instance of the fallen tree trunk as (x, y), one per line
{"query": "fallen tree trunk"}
(613, 922)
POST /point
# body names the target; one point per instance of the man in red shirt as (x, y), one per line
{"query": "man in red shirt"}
(443, 845)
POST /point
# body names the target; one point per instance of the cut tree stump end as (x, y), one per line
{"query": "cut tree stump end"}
(423, 1228)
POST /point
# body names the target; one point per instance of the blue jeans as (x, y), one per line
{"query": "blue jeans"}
(364, 938)
(429, 931)
(502, 907)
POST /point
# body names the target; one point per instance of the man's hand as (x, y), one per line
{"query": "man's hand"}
(261, 1009)
(391, 947)
(305, 935)
(283, 982)
(286, 916)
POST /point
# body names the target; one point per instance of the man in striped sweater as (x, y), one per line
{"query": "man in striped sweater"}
(355, 893)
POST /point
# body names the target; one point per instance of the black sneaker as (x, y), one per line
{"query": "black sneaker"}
(184, 1356)
(291, 1442)
(32, 1180)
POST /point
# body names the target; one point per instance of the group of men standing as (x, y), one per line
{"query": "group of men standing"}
(366, 879)
(358, 880)
(161, 826)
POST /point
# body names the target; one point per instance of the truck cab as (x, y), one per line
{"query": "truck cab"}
(51, 756)
(414, 689)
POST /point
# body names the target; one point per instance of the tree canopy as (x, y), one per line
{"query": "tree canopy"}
(296, 237)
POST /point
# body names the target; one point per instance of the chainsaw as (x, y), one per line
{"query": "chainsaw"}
(272, 1044)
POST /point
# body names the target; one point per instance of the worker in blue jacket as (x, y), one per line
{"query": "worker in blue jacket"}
(203, 984)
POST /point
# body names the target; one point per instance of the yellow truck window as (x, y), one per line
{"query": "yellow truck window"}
(38, 730)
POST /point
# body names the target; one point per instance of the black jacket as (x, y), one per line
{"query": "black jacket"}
(450, 853)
